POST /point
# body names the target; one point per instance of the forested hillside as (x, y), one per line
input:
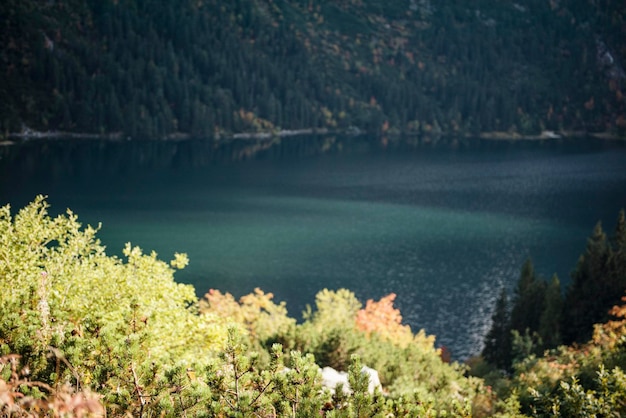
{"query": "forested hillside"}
(204, 68)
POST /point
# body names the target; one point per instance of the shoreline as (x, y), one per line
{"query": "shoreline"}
(29, 134)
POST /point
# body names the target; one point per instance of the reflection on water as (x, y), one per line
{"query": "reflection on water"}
(442, 224)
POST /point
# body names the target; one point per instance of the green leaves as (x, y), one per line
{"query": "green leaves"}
(111, 320)
(122, 327)
(571, 399)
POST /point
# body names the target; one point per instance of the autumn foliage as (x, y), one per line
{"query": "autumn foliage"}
(257, 312)
(612, 333)
(43, 399)
(382, 318)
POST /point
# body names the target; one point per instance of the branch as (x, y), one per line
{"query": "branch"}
(58, 354)
(138, 388)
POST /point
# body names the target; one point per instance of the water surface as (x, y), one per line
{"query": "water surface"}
(444, 226)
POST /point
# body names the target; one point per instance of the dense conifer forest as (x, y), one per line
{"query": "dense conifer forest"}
(208, 68)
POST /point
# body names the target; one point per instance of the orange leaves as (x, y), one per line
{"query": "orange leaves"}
(263, 318)
(221, 304)
(382, 318)
(377, 315)
(611, 333)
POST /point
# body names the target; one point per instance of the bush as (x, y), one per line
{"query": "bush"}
(96, 331)
(80, 317)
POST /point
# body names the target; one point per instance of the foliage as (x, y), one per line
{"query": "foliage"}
(497, 349)
(578, 381)
(550, 319)
(601, 272)
(385, 320)
(573, 382)
(531, 326)
(337, 334)
(157, 69)
(96, 333)
(86, 334)
(256, 312)
(572, 399)
(20, 396)
(330, 331)
(238, 387)
(78, 316)
(409, 368)
(529, 300)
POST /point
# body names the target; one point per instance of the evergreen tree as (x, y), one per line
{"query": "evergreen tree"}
(620, 232)
(246, 52)
(550, 320)
(618, 259)
(586, 297)
(529, 300)
(533, 324)
(497, 348)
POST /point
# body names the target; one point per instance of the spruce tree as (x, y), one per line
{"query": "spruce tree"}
(618, 260)
(529, 300)
(550, 320)
(497, 350)
(586, 298)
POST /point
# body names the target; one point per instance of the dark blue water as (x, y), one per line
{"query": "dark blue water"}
(443, 226)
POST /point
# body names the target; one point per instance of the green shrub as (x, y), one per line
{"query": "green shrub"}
(122, 330)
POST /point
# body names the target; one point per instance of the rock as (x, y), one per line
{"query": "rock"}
(331, 378)
(374, 379)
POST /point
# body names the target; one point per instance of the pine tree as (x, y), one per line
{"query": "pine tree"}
(550, 320)
(618, 259)
(585, 300)
(620, 232)
(529, 300)
(497, 348)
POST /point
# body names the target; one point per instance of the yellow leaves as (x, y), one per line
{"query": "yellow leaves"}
(221, 304)
(180, 261)
(67, 288)
(254, 122)
(256, 312)
(335, 308)
(131, 252)
(329, 119)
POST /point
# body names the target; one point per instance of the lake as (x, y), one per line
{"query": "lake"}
(443, 224)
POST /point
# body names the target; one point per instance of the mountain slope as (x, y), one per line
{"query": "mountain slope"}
(146, 68)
